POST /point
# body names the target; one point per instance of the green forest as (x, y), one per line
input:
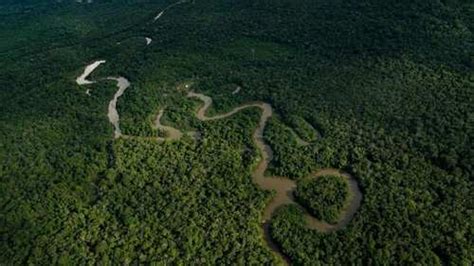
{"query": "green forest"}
(383, 90)
(324, 196)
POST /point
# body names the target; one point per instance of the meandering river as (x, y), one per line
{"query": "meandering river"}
(283, 187)
(114, 118)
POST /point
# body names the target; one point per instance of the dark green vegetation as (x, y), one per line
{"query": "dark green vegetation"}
(389, 86)
(324, 196)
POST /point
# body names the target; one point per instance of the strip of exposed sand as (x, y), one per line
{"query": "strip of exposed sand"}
(159, 15)
(82, 79)
(168, 7)
(236, 90)
(148, 40)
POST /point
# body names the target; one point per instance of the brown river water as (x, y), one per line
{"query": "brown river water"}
(282, 186)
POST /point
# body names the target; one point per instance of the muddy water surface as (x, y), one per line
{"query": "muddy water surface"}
(171, 132)
(114, 118)
(283, 186)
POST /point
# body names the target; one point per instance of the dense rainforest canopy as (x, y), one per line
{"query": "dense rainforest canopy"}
(324, 197)
(381, 89)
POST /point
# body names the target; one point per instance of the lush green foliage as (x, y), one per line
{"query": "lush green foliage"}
(324, 196)
(382, 89)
